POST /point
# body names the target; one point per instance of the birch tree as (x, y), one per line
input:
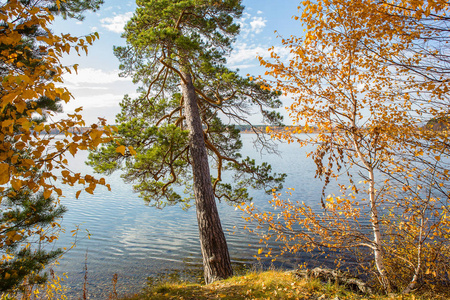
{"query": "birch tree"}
(368, 76)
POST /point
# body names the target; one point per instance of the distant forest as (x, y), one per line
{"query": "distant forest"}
(433, 124)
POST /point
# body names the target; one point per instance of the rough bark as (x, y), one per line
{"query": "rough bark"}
(216, 259)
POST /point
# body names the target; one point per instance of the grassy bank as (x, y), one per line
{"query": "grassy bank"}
(263, 285)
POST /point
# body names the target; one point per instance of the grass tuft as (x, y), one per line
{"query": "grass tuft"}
(273, 284)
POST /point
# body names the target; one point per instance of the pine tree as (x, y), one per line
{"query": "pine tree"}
(36, 215)
(168, 135)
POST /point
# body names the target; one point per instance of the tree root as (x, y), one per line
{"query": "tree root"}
(340, 277)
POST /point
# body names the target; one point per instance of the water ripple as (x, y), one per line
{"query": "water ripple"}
(136, 241)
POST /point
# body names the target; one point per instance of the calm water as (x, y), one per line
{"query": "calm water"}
(135, 241)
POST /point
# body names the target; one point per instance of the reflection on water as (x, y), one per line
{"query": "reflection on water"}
(136, 241)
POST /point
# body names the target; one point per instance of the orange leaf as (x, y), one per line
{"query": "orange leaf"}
(132, 151)
(4, 173)
(21, 106)
(121, 149)
(16, 184)
(73, 149)
(47, 193)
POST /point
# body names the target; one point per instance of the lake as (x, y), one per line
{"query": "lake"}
(135, 241)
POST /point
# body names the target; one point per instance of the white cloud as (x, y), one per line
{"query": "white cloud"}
(251, 25)
(91, 76)
(244, 55)
(244, 66)
(98, 91)
(103, 105)
(94, 101)
(116, 23)
(258, 24)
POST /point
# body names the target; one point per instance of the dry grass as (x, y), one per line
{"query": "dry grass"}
(262, 285)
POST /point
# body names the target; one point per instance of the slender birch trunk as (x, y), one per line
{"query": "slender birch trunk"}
(412, 284)
(216, 259)
(375, 221)
(374, 218)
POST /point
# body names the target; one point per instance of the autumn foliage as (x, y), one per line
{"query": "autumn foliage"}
(32, 160)
(368, 75)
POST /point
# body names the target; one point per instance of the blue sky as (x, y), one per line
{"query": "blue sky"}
(97, 87)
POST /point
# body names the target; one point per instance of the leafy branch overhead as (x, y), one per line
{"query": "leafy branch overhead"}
(32, 158)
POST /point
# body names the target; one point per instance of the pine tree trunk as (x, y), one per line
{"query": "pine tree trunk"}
(216, 260)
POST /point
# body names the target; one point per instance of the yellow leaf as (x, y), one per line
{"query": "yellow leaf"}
(7, 123)
(27, 125)
(73, 149)
(16, 184)
(17, 238)
(20, 106)
(95, 134)
(90, 190)
(47, 193)
(132, 151)
(39, 128)
(29, 94)
(8, 98)
(4, 173)
(121, 149)
(260, 250)
(14, 236)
